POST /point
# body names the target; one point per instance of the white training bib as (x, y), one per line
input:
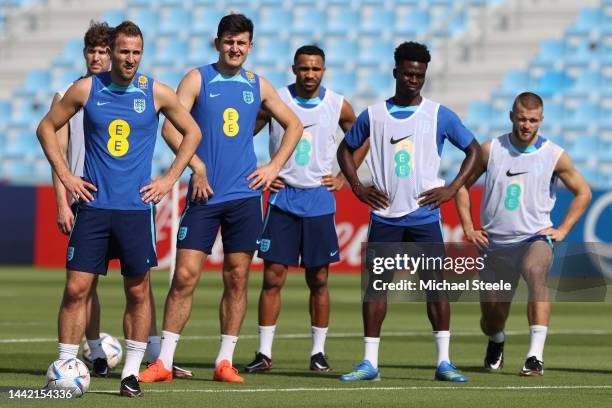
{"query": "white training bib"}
(403, 156)
(315, 152)
(519, 190)
(76, 141)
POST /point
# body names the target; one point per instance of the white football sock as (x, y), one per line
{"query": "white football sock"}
(442, 339)
(498, 337)
(96, 349)
(226, 351)
(153, 348)
(371, 350)
(266, 337)
(67, 350)
(134, 352)
(318, 340)
(169, 341)
(536, 341)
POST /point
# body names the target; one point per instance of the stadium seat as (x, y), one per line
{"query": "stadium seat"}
(178, 21)
(588, 20)
(377, 21)
(586, 114)
(343, 82)
(23, 144)
(343, 22)
(72, 54)
(273, 52)
(416, 22)
(276, 78)
(581, 147)
(206, 23)
(376, 53)
(37, 81)
(65, 77)
(114, 17)
(171, 52)
(311, 22)
(377, 83)
(148, 21)
(552, 51)
(587, 83)
(201, 52)
(274, 21)
(553, 82)
(478, 113)
(341, 52)
(171, 78)
(515, 82)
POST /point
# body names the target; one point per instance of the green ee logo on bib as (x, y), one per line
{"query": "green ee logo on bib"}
(303, 150)
(513, 196)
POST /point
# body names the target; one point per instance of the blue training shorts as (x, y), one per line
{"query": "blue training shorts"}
(289, 239)
(99, 235)
(240, 221)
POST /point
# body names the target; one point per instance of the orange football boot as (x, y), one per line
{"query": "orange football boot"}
(155, 372)
(226, 373)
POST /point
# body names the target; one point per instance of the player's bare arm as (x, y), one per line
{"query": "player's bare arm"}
(65, 218)
(368, 195)
(463, 204)
(169, 104)
(575, 183)
(347, 118)
(263, 119)
(435, 197)
(60, 113)
(188, 91)
(266, 174)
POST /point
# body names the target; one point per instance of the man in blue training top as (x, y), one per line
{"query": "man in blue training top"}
(120, 119)
(406, 134)
(225, 189)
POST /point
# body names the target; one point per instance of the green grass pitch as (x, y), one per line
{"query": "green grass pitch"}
(578, 352)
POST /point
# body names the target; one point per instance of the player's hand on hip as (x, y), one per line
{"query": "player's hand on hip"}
(478, 237)
(371, 196)
(555, 234)
(159, 187)
(333, 183)
(277, 185)
(435, 197)
(200, 189)
(263, 176)
(78, 187)
(65, 219)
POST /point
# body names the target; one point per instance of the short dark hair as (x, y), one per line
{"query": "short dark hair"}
(126, 28)
(308, 50)
(412, 51)
(98, 35)
(528, 100)
(235, 23)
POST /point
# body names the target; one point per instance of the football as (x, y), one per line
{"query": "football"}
(112, 348)
(70, 375)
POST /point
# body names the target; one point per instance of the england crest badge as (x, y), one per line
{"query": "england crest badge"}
(139, 105)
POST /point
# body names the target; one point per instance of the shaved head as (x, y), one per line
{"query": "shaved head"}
(528, 100)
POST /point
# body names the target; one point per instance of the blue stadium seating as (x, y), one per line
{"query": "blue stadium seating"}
(573, 73)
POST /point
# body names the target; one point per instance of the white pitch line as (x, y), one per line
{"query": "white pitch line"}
(352, 389)
(346, 335)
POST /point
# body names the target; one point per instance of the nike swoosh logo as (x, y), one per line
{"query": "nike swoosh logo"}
(333, 253)
(319, 366)
(101, 103)
(258, 242)
(509, 174)
(311, 125)
(394, 141)
(128, 387)
(212, 95)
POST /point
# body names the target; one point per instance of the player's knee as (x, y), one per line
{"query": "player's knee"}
(76, 291)
(137, 294)
(185, 280)
(317, 282)
(237, 279)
